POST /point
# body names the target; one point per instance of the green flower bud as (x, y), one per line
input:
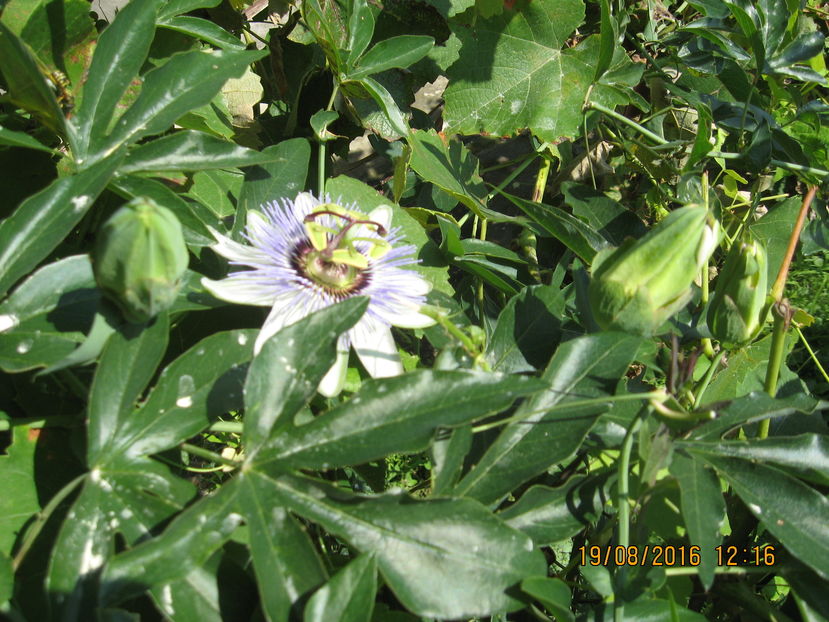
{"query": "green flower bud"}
(638, 286)
(738, 308)
(140, 257)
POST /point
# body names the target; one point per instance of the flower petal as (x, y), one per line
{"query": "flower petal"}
(382, 215)
(413, 318)
(305, 202)
(284, 313)
(234, 251)
(332, 383)
(239, 290)
(376, 348)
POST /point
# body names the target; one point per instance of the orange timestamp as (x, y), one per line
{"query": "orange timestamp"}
(647, 555)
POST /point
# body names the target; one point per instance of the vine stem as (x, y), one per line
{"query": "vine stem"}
(321, 153)
(780, 310)
(623, 503)
(42, 517)
(208, 455)
(709, 373)
(725, 155)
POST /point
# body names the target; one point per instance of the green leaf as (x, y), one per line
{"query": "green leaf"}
(41, 222)
(348, 596)
(579, 237)
(442, 558)
(177, 7)
(552, 593)
(285, 560)
(397, 52)
(527, 331)
(806, 455)
(52, 30)
(751, 408)
(284, 178)
(119, 54)
(21, 139)
(127, 364)
(203, 383)
(372, 424)
(202, 29)
(186, 81)
(703, 510)
(792, 511)
(774, 230)
(27, 86)
(586, 367)
(450, 167)
(609, 218)
(192, 151)
(20, 501)
(512, 73)
(284, 376)
(550, 515)
(360, 29)
(609, 36)
(46, 316)
(82, 547)
(380, 94)
(448, 453)
(6, 578)
(187, 542)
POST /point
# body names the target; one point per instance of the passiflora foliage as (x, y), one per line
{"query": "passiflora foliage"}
(336, 310)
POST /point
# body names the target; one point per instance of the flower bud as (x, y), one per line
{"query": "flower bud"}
(738, 308)
(638, 286)
(140, 258)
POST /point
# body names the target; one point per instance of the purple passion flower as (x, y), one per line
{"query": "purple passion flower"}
(307, 254)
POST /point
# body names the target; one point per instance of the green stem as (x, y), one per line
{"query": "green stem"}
(42, 517)
(623, 511)
(703, 385)
(811, 353)
(778, 341)
(626, 397)
(509, 178)
(725, 155)
(207, 455)
(321, 152)
(629, 122)
(70, 421)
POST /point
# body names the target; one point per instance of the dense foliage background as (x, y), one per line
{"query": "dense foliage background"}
(528, 464)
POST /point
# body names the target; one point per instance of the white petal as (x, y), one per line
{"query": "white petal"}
(304, 203)
(382, 214)
(239, 290)
(284, 313)
(332, 383)
(237, 252)
(257, 226)
(405, 318)
(376, 348)
(412, 283)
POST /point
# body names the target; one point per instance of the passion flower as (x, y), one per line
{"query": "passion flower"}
(307, 254)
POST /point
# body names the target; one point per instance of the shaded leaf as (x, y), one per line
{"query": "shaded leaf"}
(703, 510)
(789, 509)
(512, 73)
(586, 367)
(348, 596)
(41, 222)
(443, 558)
